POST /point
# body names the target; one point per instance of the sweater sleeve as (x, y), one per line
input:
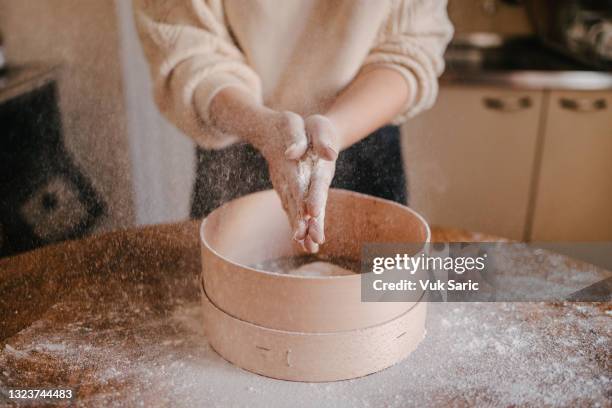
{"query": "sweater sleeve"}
(412, 41)
(189, 46)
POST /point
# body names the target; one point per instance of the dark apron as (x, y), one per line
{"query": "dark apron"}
(372, 166)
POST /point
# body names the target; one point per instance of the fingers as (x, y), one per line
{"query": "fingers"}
(296, 150)
(300, 230)
(322, 176)
(296, 210)
(296, 217)
(303, 176)
(290, 128)
(310, 245)
(316, 228)
(298, 189)
(293, 126)
(317, 200)
(322, 134)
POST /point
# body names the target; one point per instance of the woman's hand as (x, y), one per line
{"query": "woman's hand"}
(282, 141)
(321, 158)
(301, 156)
(372, 99)
(279, 136)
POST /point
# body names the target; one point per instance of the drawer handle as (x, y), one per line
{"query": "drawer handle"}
(508, 104)
(583, 104)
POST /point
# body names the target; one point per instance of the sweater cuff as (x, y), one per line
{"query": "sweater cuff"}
(212, 137)
(210, 87)
(413, 90)
(408, 109)
(194, 113)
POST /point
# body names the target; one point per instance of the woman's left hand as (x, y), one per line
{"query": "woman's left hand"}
(323, 137)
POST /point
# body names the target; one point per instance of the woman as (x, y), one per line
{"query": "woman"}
(294, 83)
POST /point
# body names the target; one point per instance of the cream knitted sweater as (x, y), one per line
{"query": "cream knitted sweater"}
(293, 55)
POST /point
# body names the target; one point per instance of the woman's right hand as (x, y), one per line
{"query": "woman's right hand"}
(281, 139)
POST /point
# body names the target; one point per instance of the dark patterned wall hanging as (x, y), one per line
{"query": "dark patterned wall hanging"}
(44, 196)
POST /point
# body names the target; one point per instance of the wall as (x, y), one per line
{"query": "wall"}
(163, 159)
(143, 166)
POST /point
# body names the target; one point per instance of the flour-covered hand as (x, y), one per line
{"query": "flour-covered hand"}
(321, 157)
(283, 143)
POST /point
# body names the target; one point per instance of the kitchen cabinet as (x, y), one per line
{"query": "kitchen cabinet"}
(529, 165)
(470, 159)
(573, 200)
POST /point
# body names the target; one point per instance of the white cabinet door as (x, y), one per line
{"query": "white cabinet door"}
(470, 159)
(574, 195)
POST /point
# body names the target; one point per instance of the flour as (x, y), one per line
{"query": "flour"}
(310, 265)
(304, 171)
(135, 336)
(484, 354)
(320, 268)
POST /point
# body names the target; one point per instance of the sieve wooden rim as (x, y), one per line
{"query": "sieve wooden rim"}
(297, 303)
(313, 357)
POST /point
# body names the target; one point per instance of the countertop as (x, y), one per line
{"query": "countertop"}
(116, 317)
(521, 63)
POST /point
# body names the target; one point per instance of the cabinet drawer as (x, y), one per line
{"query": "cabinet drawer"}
(470, 159)
(574, 195)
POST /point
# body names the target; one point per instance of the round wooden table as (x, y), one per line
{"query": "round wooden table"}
(116, 318)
